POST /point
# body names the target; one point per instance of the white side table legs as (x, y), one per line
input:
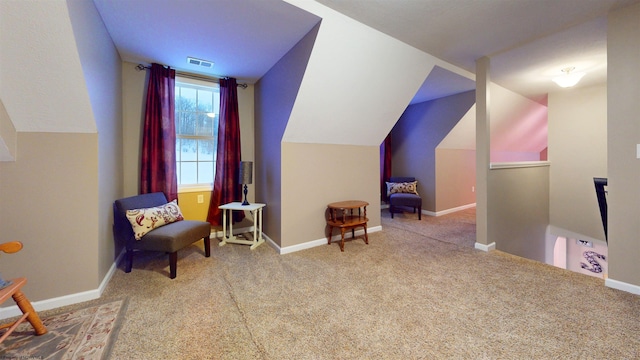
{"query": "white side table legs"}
(227, 217)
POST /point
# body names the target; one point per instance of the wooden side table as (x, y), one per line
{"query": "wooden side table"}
(255, 210)
(341, 215)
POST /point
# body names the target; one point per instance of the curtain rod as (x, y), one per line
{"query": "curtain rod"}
(141, 67)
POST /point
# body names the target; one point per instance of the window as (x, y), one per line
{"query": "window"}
(197, 110)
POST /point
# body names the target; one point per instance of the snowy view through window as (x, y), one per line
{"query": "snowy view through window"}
(197, 109)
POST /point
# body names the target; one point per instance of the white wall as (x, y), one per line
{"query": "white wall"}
(518, 128)
(101, 67)
(8, 136)
(39, 57)
(50, 195)
(623, 135)
(350, 58)
(578, 153)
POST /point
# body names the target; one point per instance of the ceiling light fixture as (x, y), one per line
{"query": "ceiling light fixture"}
(569, 78)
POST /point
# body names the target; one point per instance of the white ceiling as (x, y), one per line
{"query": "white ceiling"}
(243, 38)
(528, 41)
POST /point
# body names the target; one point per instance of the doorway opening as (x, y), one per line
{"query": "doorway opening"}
(587, 257)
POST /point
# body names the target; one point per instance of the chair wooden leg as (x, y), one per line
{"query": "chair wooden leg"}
(173, 264)
(129, 261)
(419, 212)
(25, 306)
(391, 211)
(207, 246)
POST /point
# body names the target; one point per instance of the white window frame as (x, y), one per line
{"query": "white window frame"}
(184, 188)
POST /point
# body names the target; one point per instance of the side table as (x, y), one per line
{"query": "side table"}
(255, 210)
(341, 215)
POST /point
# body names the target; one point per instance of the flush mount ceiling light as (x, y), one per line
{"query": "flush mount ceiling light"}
(569, 78)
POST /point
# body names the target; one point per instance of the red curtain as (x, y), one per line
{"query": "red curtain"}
(158, 157)
(385, 166)
(226, 188)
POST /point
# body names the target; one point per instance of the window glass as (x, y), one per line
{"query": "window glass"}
(197, 107)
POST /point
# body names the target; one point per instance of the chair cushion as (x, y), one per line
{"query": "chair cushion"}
(404, 199)
(175, 236)
(146, 219)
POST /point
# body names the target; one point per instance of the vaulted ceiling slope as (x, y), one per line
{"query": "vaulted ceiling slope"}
(42, 87)
(243, 39)
(528, 41)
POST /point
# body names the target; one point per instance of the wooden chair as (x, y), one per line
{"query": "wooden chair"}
(14, 290)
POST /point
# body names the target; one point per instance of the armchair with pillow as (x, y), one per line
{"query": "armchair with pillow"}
(149, 222)
(402, 192)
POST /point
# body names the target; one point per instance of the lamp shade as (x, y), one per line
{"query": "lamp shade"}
(569, 78)
(246, 172)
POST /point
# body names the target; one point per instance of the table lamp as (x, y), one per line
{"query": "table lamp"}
(245, 177)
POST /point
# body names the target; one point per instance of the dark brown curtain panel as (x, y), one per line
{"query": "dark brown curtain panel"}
(385, 166)
(226, 188)
(158, 158)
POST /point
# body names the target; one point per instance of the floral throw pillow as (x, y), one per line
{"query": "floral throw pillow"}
(403, 187)
(146, 219)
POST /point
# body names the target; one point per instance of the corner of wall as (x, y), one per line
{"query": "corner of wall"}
(8, 136)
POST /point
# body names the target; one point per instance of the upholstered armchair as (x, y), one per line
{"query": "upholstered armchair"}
(402, 192)
(153, 224)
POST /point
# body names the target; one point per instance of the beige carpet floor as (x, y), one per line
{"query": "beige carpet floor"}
(415, 292)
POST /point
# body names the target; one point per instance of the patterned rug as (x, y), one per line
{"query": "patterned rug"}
(79, 334)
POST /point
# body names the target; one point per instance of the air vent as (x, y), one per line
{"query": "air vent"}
(200, 62)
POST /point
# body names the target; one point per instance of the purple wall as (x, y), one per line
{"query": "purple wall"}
(416, 135)
(275, 95)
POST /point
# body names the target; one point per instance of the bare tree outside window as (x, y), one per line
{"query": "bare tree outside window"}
(197, 110)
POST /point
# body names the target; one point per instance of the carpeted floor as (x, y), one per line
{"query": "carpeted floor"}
(458, 228)
(415, 292)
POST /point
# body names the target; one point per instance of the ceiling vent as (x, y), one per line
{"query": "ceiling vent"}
(200, 62)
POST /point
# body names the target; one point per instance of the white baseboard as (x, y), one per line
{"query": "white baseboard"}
(439, 213)
(485, 248)
(65, 300)
(323, 241)
(449, 211)
(619, 285)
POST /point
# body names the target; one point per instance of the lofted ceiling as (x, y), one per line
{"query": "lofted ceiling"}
(243, 39)
(528, 41)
